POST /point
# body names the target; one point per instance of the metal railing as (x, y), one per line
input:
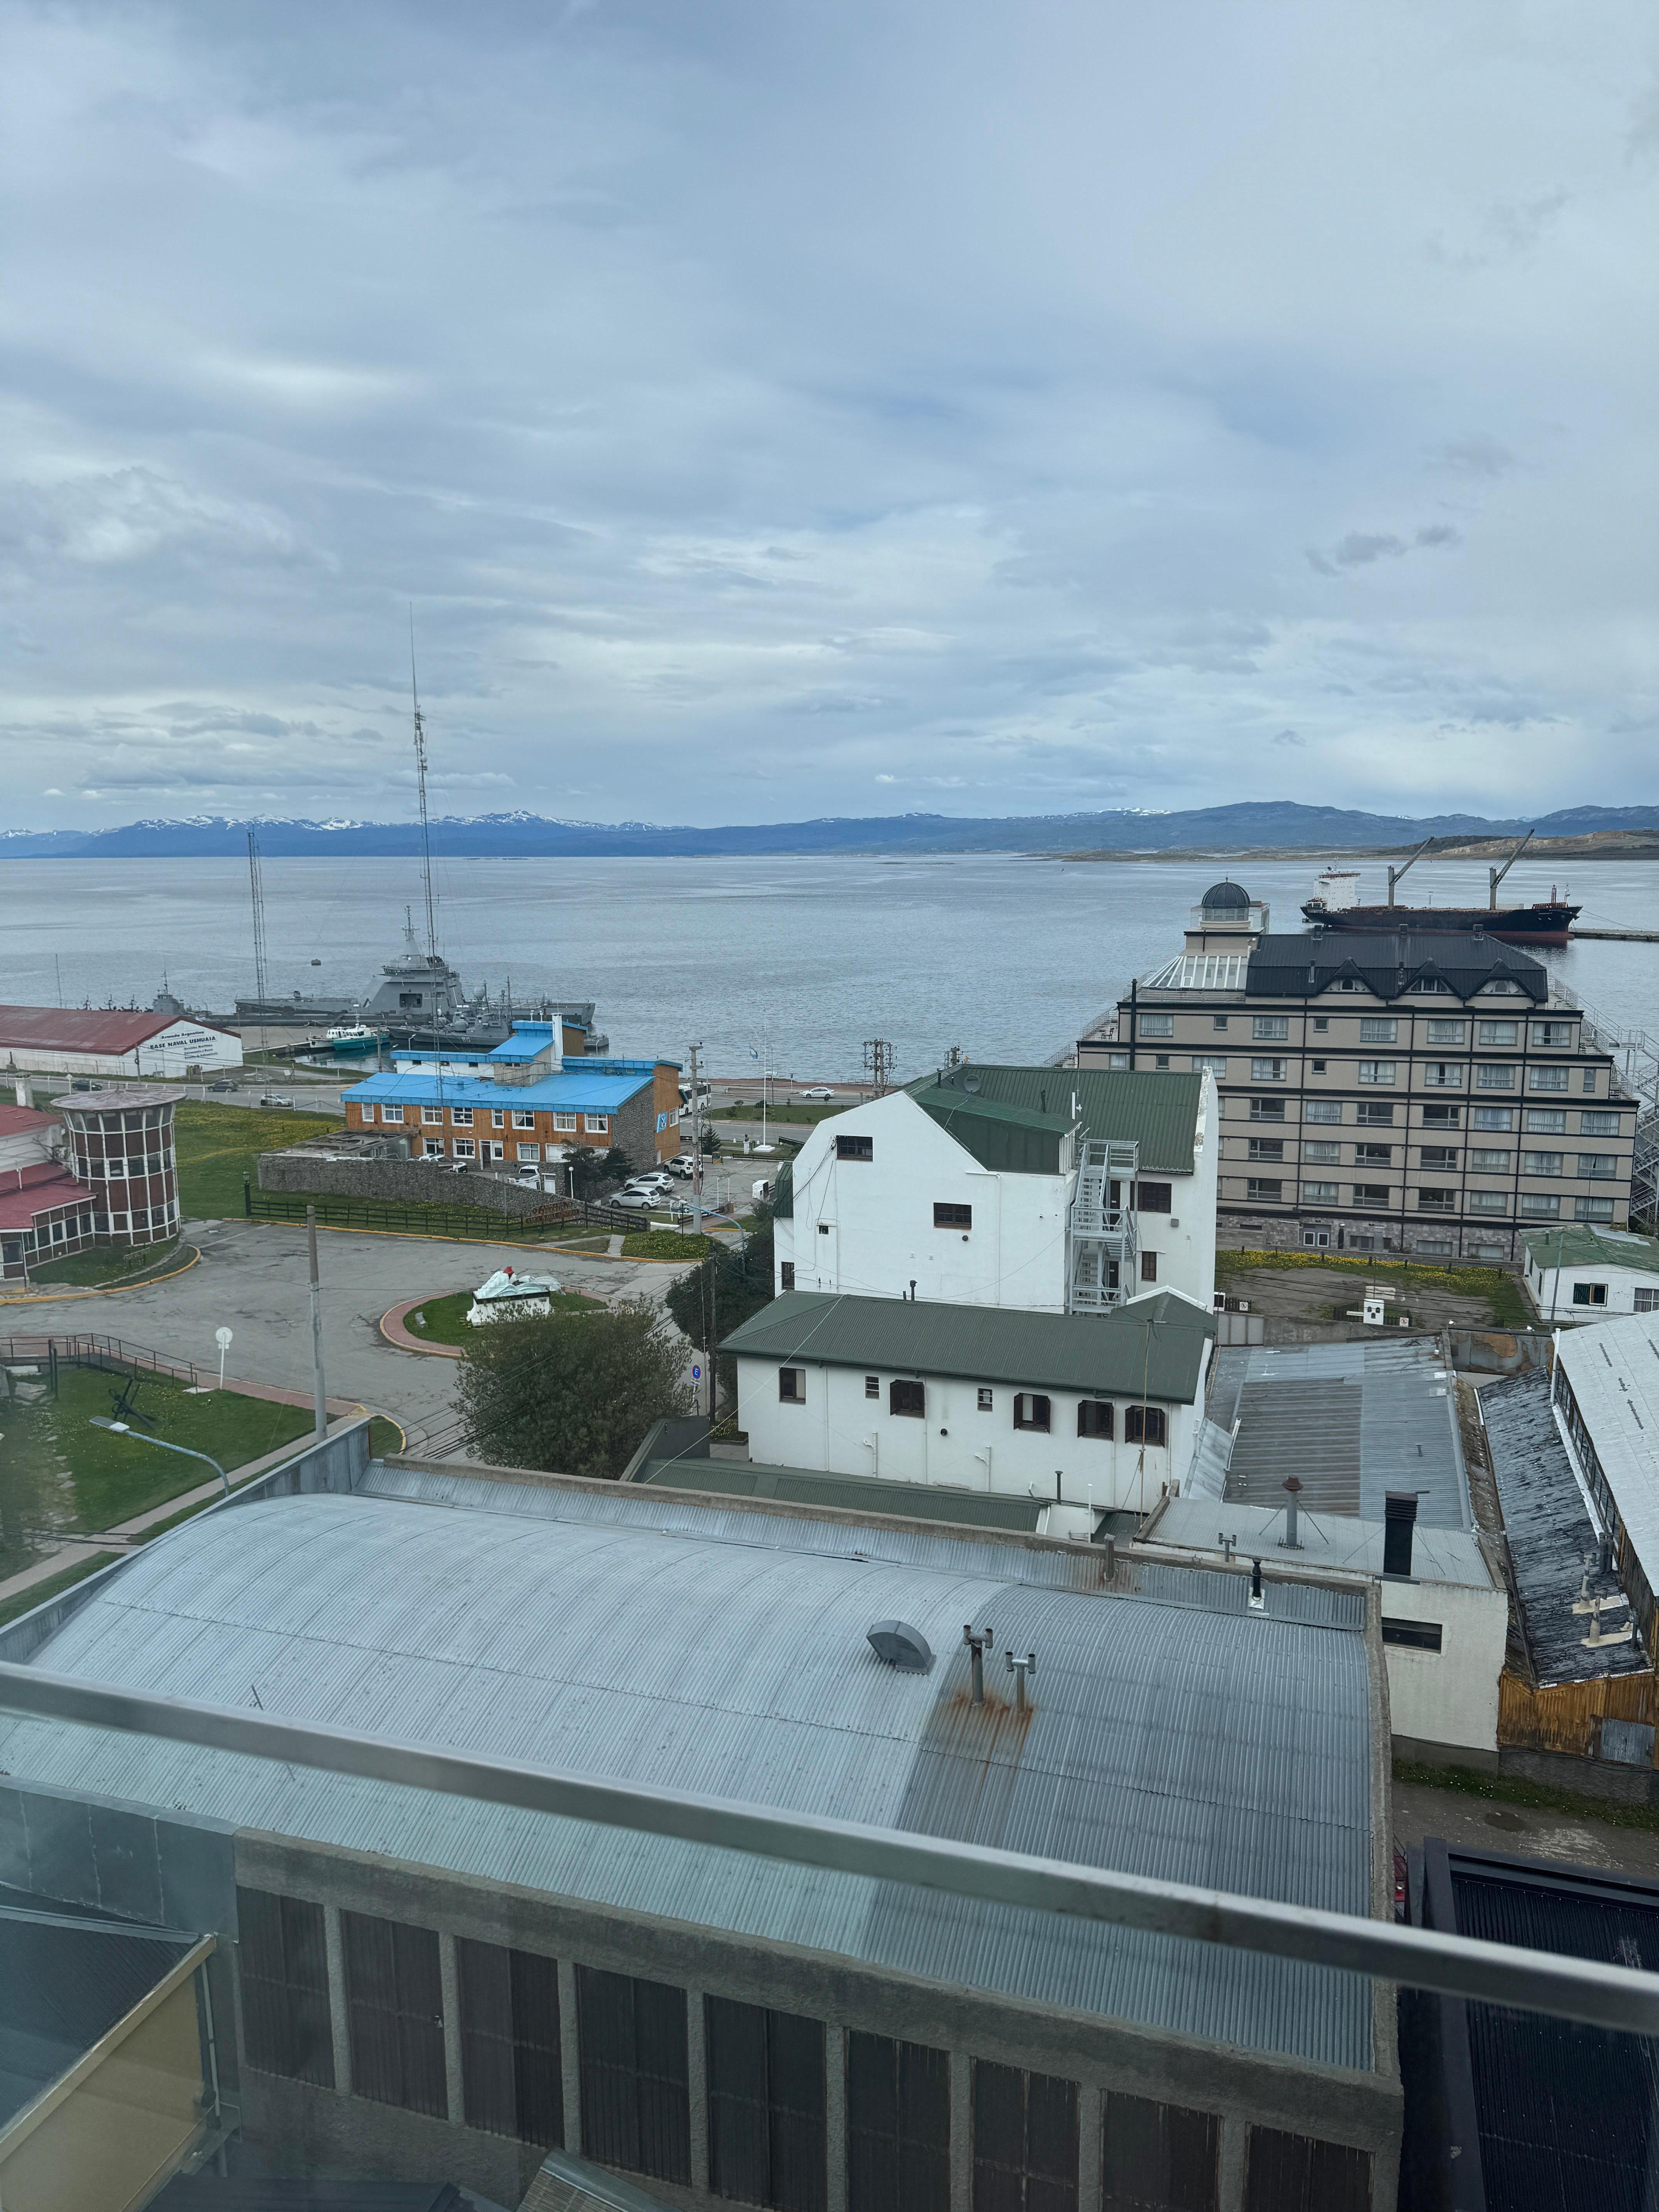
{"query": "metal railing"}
(1100, 1235)
(1618, 1997)
(112, 1353)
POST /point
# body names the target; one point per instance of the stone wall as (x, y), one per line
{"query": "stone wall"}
(397, 1183)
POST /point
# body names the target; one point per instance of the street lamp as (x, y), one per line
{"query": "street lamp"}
(120, 1428)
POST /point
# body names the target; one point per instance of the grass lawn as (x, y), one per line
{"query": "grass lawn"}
(1496, 1286)
(584, 1244)
(444, 1321)
(107, 1264)
(59, 1473)
(810, 1114)
(664, 1245)
(220, 1145)
(39, 1593)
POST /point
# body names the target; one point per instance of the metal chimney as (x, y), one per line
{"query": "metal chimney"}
(1293, 1490)
(979, 1646)
(1024, 1671)
(1399, 1520)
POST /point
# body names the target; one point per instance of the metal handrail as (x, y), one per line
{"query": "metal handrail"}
(1617, 1997)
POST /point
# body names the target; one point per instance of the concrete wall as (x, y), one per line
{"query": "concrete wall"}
(1448, 1696)
(840, 1429)
(303, 2127)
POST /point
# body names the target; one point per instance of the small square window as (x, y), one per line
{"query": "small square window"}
(987, 1398)
(1032, 1411)
(1218, 1021)
(1589, 1294)
(1322, 1023)
(872, 1386)
(1319, 1067)
(792, 1385)
(952, 1217)
(855, 1148)
(1143, 1424)
(524, 1117)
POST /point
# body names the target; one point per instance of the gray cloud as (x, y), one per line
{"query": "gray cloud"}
(1477, 455)
(1360, 548)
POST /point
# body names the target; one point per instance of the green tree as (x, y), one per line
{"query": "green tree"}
(571, 1393)
(722, 1290)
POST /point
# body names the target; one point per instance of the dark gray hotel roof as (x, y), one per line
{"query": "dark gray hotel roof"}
(632, 1633)
(1388, 964)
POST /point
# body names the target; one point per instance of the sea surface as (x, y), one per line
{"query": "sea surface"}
(789, 963)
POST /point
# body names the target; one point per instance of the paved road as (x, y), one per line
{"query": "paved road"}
(1476, 1824)
(252, 1277)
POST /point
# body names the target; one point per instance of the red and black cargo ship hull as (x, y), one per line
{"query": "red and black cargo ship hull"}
(1546, 923)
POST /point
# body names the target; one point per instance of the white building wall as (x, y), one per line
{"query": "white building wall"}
(839, 1429)
(1555, 1301)
(866, 1228)
(187, 1044)
(1448, 1696)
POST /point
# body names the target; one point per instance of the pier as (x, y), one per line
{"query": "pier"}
(1622, 935)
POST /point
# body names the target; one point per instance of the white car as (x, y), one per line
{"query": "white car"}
(818, 1090)
(657, 1182)
(636, 1201)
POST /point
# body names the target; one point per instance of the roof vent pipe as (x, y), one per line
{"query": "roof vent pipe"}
(1293, 1491)
(979, 1646)
(1398, 1521)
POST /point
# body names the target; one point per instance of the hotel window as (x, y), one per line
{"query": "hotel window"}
(1592, 1209)
(1492, 1076)
(766, 2106)
(792, 1386)
(1318, 1065)
(1548, 1078)
(1597, 1167)
(1156, 1025)
(1147, 1418)
(1598, 1125)
(1322, 1110)
(1270, 1149)
(460, 1117)
(565, 1123)
(1267, 1109)
(855, 1148)
(1589, 1294)
(1542, 1163)
(1373, 1155)
(1266, 1070)
(524, 1117)
(395, 2009)
(1371, 1193)
(1210, 1064)
(1493, 1117)
(1488, 1202)
(636, 2102)
(1550, 1036)
(1218, 1021)
(1443, 1074)
(391, 1113)
(1266, 1190)
(284, 1962)
(1501, 986)
(1435, 1201)
(1158, 2158)
(1445, 1032)
(1321, 1152)
(465, 1149)
(512, 2078)
(1376, 1028)
(596, 1125)
(1322, 1023)
(1487, 1159)
(498, 1117)
(952, 1217)
(1094, 1417)
(1024, 2141)
(1271, 1029)
(1541, 1206)
(1545, 1121)
(1437, 1156)
(1376, 1071)
(1498, 1033)
(909, 1399)
(898, 2126)
(1588, 1086)
(1032, 1411)
(1442, 1117)
(1374, 1115)
(1319, 1194)
(529, 1154)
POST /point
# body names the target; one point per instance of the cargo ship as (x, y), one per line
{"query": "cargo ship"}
(1336, 905)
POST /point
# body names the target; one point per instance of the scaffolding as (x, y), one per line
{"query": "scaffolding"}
(1100, 1236)
(1635, 1055)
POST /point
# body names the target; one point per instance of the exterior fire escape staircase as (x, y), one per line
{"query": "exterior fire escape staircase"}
(1100, 1236)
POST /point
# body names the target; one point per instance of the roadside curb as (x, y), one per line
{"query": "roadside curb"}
(390, 1326)
(102, 1290)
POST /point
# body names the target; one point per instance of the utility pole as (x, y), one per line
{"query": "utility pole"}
(257, 888)
(320, 1401)
(696, 1150)
(878, 1060)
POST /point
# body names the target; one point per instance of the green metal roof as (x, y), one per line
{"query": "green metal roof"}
(1111, 1355)
(1016, 1139)
(853, 1493)
(1157, 1110)
(1585, 1247)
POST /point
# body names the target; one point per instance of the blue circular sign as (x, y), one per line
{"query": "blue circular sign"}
(696, 1374)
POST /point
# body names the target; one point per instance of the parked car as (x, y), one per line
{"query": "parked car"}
(274, 1098)
(658, 1182)
(636, 1201)
(683, 1167)
(818, 1091)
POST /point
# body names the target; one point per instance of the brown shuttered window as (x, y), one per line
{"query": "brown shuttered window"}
(1158, 2158)
(766, 2106)
(511, 2078)
(395, 2009)
(284, 1963)
(1024, 2141)
(1293, 2173)
(898, 2126)
(637, 2107)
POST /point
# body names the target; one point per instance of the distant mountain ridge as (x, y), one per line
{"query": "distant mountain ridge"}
(1243, 827)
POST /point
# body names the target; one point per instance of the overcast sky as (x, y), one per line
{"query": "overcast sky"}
(773, 409)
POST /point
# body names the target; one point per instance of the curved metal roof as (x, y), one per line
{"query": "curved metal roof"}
(1225, 897)
(1187, 1739)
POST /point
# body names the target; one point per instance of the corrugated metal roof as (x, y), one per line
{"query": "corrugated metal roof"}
(1185, 1738)
(853, 1493)
(1389, 963)
(1552, 1545)
(1613, 1369)
(1153, 1343)
(47, 1029)
(575, 1086)
(1578, 1246)
(1009, 1139)
(1353, 1421)
(1158, 1111)
(1327, 1540)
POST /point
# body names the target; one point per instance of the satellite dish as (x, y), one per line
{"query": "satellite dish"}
(970, 1083)
(901, 1646)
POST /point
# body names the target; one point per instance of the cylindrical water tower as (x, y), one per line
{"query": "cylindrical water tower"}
(120, 1141)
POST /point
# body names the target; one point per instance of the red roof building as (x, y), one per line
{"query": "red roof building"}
(111, 1041)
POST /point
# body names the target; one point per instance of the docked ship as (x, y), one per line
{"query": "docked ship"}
(422, 1003)
(1336, 905)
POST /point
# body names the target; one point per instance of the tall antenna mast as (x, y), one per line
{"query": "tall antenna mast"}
(420, 784)
(256, 885)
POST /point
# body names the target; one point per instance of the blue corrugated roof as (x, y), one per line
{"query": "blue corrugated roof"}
(575, 1087)
(1177, 1736)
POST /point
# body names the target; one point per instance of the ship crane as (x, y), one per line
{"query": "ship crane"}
(1394, 874)
(1495, 876)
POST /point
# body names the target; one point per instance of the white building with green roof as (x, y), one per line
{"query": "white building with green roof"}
(1580, 1273)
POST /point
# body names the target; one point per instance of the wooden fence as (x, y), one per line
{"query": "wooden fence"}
(1567, 1716)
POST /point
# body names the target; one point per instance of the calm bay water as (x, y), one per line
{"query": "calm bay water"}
(797, 960)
